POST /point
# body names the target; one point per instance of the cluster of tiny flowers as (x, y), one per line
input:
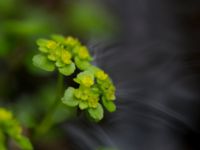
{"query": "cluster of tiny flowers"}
(10, 126)
(95, 90)
(64, 53)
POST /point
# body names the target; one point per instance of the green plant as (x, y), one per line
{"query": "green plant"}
(93, 89)
(10, 128)
(69, 57)
(38, 108)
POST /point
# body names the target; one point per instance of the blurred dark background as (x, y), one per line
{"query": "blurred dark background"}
(151, 49)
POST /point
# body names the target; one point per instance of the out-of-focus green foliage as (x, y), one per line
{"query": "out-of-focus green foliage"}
(10, 126)
(6, 6)
(90, 18)
(45, 98)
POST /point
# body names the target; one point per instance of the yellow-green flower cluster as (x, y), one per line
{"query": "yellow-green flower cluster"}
(64, 53)
(10, 126)
(87, 97)
(95, 90)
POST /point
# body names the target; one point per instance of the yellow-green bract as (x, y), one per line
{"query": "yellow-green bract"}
(10, 126)
(96, 89)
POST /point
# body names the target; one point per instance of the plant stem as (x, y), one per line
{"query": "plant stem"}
(47, 121)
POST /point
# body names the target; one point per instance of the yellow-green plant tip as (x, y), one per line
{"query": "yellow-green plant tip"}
(85, 78)
(9, 126)
(95, 87)
(66, 57)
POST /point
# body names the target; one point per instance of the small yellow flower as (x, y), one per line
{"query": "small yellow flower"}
(52, 44)
(93, 101)
(84, 97)
(5, 115)
(81, 94)
(53, 55)
(83, 52)
(110, 93)
(71, 41)
(111, 96)
(87, 81)
(101, 75)
(66, 57)
(77, 93)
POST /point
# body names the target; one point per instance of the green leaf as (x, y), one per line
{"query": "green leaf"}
(68, 69)
(42, 45)
(59, 63)
(109, 105)
(83, 105)
(96, 113)
(58, 38)
(43, 49)
(69, 99)
(2, 146)
(42, 62)
(24, 143)
(93, 69)
(82, 64)
(82, 75)
(42, 42)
